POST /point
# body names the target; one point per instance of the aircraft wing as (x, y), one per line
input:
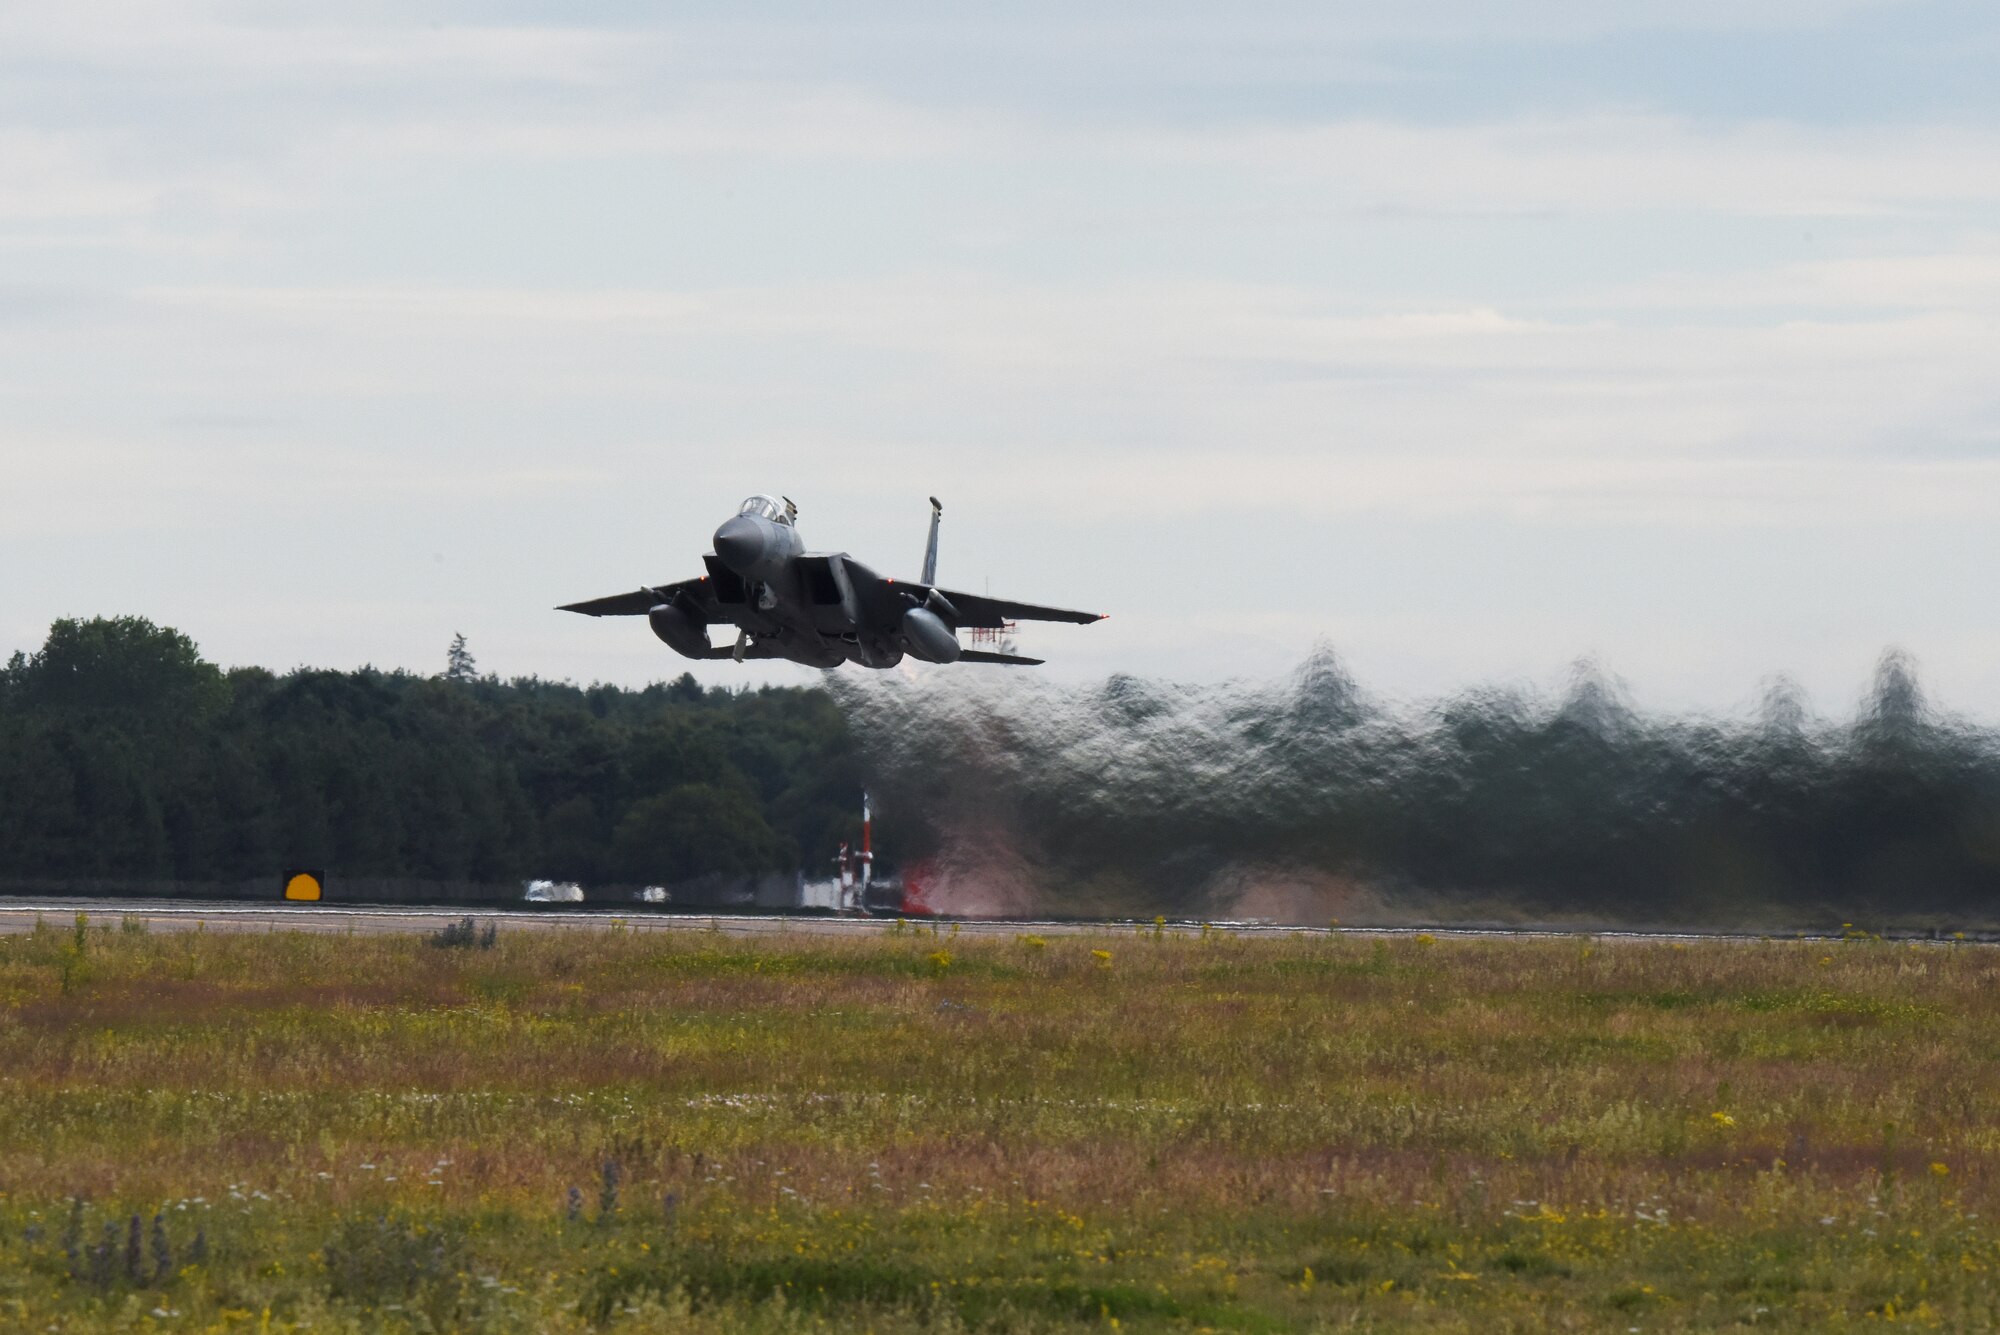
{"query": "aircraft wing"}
(977, 611)
(637, 603)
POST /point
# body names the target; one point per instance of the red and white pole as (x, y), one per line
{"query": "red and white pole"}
(867, 846)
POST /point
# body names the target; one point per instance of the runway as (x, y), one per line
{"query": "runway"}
(22, 915)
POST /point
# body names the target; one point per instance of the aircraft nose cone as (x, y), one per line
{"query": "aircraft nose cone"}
(739, 544)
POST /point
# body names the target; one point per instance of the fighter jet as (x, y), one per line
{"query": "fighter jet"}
(821, 609)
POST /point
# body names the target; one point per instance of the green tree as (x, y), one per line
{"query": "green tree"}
(122, 665)
(123, 755)
(11, 677)
(459, 663)
(573, 842)
(693, 830)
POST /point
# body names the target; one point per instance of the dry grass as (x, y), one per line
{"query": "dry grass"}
(907, 1131)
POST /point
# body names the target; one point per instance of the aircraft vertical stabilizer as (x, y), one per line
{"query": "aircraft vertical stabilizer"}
(930, 548)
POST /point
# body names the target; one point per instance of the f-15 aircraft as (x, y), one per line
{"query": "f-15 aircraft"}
(817, 608)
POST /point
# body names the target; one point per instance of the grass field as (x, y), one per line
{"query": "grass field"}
(598, 1129)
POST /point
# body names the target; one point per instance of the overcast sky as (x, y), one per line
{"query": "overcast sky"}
(1472, 338)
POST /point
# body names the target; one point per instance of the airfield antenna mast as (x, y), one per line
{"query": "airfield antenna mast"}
(994, 638)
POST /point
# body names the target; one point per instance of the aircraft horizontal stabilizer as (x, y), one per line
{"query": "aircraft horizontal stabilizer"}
(1011, 660)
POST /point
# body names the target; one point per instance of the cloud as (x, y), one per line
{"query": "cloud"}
(48, 176)
(190, 42)
(68, 484)
(1595, 165)
(1167, 398)
(733, 120)
(205, 38)
(546, 295)
(1955, 280)
(1608, 162)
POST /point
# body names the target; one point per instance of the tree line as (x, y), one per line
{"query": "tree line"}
(1136, 795)
(125, 755)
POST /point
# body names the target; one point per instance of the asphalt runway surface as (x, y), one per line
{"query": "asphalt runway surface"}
(22, 915)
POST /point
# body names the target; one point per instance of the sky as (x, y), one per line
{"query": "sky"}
(1473, 339)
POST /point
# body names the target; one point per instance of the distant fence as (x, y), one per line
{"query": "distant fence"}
(777, 890)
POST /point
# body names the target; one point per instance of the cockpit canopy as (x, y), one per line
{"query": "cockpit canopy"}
(767, 507)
